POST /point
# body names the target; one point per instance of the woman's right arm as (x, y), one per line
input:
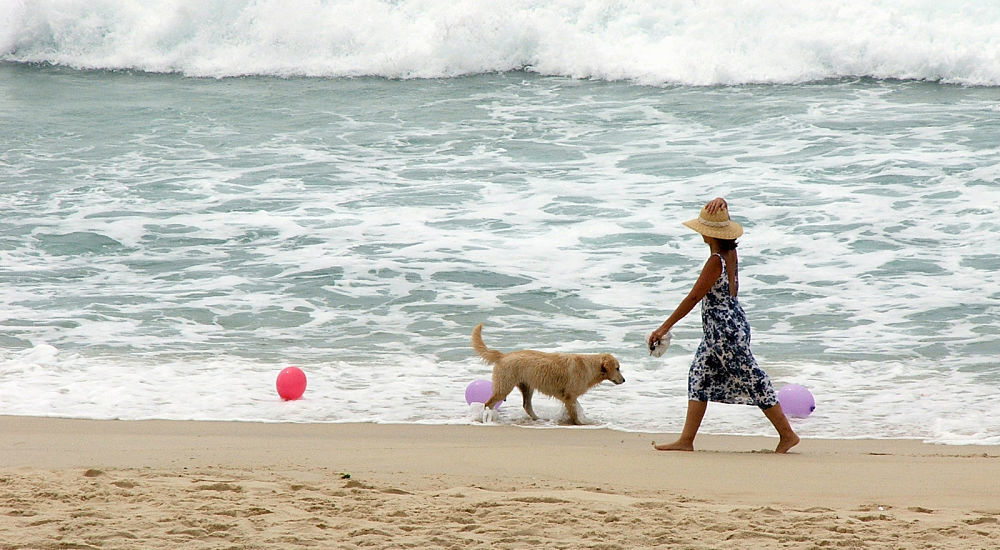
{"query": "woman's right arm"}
(716, 204)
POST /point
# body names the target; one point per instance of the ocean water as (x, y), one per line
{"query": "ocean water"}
(198, 194)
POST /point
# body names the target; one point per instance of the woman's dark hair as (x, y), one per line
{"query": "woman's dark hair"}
(727, 244)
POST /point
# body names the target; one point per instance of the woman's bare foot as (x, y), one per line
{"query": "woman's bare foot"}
(675, 446)
(786, 443)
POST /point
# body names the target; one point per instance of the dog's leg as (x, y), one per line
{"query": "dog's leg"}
(574, 417)
(496, 398)
(526, 393)
(499, 394)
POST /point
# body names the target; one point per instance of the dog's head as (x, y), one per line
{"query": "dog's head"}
(610, 369)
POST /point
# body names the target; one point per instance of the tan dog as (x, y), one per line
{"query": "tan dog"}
(565, 376)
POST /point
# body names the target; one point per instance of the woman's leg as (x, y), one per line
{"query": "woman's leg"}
(695, 412)
(788, 438)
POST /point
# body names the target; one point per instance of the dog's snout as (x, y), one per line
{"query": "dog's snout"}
(620, 380)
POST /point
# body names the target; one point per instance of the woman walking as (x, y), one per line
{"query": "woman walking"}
(723, 369)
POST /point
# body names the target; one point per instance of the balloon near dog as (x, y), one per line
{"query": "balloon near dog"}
(479, 391)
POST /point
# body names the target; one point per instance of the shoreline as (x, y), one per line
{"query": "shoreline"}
(160, 483)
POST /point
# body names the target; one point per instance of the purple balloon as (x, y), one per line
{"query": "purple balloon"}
(479, 391)
(796, 400)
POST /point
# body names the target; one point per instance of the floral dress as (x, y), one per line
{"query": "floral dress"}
(723, 369)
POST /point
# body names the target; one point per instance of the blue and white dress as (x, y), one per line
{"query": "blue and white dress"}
(723, 369)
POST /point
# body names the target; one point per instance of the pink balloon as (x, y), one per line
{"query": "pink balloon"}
(796, 400)
(479, 391)
(291, 383)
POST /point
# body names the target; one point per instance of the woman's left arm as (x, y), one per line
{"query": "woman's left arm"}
(709, 274)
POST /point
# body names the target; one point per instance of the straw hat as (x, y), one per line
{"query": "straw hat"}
(716, 225)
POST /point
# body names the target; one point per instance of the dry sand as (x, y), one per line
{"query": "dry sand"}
(163, 484)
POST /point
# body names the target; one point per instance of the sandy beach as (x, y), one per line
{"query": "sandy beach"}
(167, 484)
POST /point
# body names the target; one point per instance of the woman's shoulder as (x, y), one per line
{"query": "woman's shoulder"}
(727, 261)
(715, 262)
(717, 258)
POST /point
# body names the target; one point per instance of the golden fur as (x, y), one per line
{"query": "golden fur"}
(565, 376)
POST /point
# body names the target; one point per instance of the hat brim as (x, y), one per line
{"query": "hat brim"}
(729, 232)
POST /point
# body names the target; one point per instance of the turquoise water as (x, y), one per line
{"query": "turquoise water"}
(170, 242)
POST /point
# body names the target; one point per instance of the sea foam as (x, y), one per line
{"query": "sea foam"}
(644, 41)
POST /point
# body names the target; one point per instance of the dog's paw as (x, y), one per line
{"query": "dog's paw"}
(489, 416)
(476, 412)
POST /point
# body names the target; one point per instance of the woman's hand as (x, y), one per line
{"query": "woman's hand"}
(654, 337)
(716, 204)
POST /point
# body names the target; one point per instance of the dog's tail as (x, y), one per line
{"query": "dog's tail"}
(491, 356)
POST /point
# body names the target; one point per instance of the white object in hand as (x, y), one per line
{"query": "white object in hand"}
(658, 348)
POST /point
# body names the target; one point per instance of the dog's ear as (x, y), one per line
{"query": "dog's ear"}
(605, 364)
